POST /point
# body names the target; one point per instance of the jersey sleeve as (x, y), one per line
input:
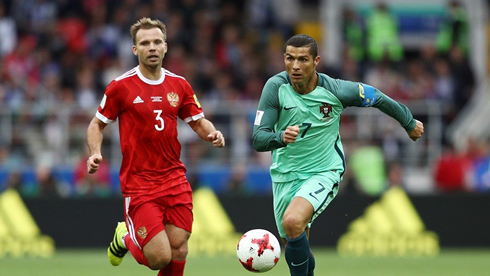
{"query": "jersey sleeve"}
(363, 95)
(264, 137)
(191, 109)
(110, 105)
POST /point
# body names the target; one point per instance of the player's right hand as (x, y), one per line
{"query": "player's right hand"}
(417, 132)
(290, 134)
(93, 163)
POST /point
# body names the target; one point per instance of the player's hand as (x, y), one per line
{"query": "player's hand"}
(93, 163)
(217, 138)
(417, 132)
(290, 134)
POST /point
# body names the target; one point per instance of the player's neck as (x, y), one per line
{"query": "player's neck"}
(151, 73)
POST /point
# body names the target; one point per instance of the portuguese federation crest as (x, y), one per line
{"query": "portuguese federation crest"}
(325, 109)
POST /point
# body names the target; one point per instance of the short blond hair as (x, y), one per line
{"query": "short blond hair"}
(147, 23)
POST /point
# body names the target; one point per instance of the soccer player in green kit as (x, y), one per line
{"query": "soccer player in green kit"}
(298, 119)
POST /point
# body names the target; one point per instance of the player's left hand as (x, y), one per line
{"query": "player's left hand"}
(417, 132)
(217, 138)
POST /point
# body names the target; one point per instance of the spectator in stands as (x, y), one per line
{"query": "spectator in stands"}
(383, 35)
(86, 93)
(44, 184)
(454, 31)
(464, 77)
(92, 185)
(8, 32)
(354, 35)
(452, 170)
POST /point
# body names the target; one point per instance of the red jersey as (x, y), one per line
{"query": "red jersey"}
(147, 111)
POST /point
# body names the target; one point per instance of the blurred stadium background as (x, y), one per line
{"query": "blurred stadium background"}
(397, 199)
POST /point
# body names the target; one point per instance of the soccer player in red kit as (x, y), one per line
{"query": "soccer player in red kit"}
(157, 196)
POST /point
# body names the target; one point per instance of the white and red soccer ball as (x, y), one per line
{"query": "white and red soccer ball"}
(258, 250)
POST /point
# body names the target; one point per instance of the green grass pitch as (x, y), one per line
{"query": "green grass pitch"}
(94, 262)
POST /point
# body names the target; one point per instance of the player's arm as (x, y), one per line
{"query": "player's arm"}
(363, 95)
(206, 130)
(264, 138)
(94, 142)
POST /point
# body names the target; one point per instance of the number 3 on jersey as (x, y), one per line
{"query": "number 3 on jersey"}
(161, 124)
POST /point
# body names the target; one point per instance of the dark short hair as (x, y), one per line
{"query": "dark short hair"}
(302, 40)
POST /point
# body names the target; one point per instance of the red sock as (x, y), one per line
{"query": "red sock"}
(174, 268)
(137, 253)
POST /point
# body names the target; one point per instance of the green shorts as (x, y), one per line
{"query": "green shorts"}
(319, 189)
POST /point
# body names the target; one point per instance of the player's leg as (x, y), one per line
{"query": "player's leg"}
(158, 251)
(147, 240)
(178, 238)
(297, 249)
(310, 200)
(311, 260)
(296, 217)
(178, 224)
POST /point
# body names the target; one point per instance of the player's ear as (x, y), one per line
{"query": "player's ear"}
(134, 50)
(317, 60)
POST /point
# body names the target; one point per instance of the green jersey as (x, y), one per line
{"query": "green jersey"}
(318, 147)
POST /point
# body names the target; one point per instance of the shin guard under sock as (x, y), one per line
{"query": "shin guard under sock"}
(297, 254)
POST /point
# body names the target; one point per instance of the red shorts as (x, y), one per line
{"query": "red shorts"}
(147, 216)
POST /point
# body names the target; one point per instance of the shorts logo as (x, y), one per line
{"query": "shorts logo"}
(142, 232)
(317, 191)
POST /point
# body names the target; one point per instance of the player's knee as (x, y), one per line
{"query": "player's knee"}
(158, 261)
(293, 226)
(180, 253)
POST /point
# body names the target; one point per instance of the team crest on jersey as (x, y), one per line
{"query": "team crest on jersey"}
(325, 109)
(142, 232)
(173, 99)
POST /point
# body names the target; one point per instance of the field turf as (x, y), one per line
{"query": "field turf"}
(94, 262)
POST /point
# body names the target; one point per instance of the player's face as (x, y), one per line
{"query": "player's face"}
(150, 47)
(300, 64)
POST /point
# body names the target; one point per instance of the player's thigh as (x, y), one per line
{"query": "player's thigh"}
(158, 247)
(319, 190)
(144, 220)
(299, 211)
(283, 194)
(177, 236)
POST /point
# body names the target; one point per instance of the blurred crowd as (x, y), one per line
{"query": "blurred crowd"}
(57, 56)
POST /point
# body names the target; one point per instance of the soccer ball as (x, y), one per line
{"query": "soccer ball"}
(258, 250)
